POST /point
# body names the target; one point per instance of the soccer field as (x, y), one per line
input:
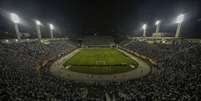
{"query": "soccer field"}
(100, 61)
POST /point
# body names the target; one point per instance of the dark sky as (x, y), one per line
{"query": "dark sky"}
(103, 16)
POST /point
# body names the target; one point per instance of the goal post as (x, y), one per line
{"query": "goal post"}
(100, 63)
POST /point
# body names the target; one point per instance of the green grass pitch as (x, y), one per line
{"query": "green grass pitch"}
(100, 61)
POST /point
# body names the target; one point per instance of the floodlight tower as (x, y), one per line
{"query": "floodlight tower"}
(179, 21)
(51, 30)
(38, 24)
(157, 26)
(144, 27)
(16, 20)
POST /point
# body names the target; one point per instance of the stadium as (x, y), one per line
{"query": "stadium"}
(47, 65)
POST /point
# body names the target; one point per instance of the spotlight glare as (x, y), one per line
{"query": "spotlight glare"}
(38, 22)
(157, 22)
(144, 27)
(180, 18)
(15, 18)
(51, 26)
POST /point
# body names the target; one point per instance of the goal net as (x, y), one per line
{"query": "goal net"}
(100, 63)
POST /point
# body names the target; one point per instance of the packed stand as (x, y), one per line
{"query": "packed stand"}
(177, 77)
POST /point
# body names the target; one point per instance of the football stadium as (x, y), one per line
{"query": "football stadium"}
(103, 57)
(100, 64)
(96, 55)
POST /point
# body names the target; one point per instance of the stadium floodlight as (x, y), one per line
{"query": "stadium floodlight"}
(51, 30)
(157, 26)
(180, 18)
(16, 20)
(157, 22)
(144, 27)
(38, 24)
(179, 21)
(51, 26)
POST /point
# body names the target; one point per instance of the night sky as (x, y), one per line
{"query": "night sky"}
(79, 17)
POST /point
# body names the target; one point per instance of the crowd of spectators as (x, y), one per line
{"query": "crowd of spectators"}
(177, 77)
(178, 67)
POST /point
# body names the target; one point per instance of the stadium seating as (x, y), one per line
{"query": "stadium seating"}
(178, 76)
(98, 41)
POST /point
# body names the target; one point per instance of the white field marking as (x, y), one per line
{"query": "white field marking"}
(132, 66)
(61, 61)
(127, 54)
(133, 74)
(67, 66)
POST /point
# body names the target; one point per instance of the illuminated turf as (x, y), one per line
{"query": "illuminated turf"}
(100, 61)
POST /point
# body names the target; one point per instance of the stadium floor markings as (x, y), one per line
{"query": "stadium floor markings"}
(142, 70)
(132, 66)
(67, 66)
